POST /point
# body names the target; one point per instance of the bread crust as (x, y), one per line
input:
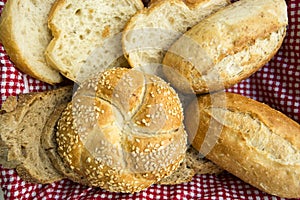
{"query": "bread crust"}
(49, 144)
(118, 128)
(165, 31)
(22, 129)
(8, 39)
(256, 143)
(228, 46)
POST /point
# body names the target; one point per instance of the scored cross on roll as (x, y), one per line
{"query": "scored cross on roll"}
(123, 131)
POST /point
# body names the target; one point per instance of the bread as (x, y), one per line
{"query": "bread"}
(25, 35)
(87, 35)
(249, 139)
(188, 2)
(200, 164)
(48, 142)
(123, 131)
(227, 46)
(22, 128)
(175, 18)
(194, 163)
(183, 174)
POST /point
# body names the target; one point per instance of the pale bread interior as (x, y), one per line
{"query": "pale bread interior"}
(86, 35)
(150, 32)
(25, 37)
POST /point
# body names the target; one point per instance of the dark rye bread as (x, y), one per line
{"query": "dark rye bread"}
(48, 142)
(23, 120)
(193, 164)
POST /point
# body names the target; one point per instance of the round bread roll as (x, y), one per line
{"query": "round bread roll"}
(123, 131)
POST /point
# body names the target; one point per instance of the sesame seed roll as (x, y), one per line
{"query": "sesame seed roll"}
(123, 131)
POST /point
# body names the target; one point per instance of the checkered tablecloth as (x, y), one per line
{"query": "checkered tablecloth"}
(277, 84)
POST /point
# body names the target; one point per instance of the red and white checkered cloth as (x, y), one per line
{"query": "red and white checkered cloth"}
(277, 84)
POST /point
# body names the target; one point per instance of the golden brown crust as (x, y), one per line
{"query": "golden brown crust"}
(104, 134)
(228, 46)
(181, 15)
(256, 143)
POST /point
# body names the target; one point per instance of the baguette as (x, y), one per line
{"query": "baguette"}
(227, 46)
(87, 35)
(253, 141)
(25, 35)
(175, 18)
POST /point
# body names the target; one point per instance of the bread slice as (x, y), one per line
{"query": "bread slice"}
(193, 164)
(22, 128)
(175, 18)
(87, 35)
(183, 174)
(28, 142)
(25, 35)
(48, 142)
(200, 164)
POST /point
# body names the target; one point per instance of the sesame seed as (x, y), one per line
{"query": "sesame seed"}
(88, 160)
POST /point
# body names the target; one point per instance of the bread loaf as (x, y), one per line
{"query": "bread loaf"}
(123, 131)
(227, 46)
(22, 128)
(175, 18)
(250, 140)
(87, 35)
(25, 35)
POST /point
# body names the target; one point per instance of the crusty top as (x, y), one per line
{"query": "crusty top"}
(227, 46)
(249, 139)
(123, 130)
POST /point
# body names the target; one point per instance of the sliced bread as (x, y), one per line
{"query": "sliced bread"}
(48, 142)
(193, 164)
(151, 31)
(87, 35)
(22, 128)
(28, 141)
(25, 35)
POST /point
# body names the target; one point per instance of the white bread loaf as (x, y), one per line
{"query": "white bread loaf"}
(123, 131)
(254, 142)
(87, 36)
(159, 26)
(227, 46)
(25, 35)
